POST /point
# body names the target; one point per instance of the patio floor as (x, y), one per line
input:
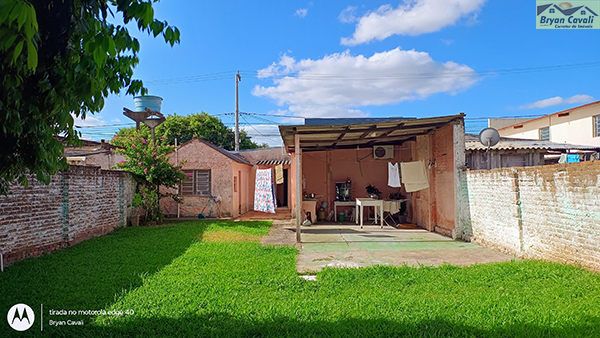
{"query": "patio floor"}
(346, 245)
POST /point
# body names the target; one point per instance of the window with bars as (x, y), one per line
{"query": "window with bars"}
(597, 126)
(197, 183)
(545, 134)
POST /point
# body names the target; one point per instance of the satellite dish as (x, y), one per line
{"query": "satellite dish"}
(489, 137)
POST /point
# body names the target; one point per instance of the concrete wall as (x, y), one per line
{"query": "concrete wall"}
(574, 126)
(78, 204)
(545, 212)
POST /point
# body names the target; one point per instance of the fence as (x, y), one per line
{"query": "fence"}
(78, 204)
(545, 212)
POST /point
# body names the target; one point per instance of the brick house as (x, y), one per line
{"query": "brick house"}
(217, 183)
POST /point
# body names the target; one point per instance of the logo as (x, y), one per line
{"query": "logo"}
(568, 15)
(20, 317)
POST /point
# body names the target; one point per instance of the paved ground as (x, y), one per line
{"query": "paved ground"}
(349, 246)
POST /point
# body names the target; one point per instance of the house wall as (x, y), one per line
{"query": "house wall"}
(481, 159)
(104, 161)
(199, 156)
(574, 128)
(322, 169)
(546, 212)
(78, 204)
(435, 208)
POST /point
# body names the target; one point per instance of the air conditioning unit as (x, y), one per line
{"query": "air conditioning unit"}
(383, 152)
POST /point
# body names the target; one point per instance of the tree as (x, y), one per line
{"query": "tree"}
(60, 59)
(185, 128)
(149, 163)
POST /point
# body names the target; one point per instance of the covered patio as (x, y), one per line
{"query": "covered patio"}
(328, 156)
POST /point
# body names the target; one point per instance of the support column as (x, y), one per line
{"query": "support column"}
(298, 155)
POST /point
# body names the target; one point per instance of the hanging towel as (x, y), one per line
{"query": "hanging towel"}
(263, 191)
(279, 174)
(393, 175)
(414, 176)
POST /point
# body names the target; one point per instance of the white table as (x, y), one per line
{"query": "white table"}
(341, 204)
(369, 202)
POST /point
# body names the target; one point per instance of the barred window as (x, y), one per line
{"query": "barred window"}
(545, 134)
(197, 183)
(597, 126)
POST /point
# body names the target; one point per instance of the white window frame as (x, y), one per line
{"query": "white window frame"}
(596, 125)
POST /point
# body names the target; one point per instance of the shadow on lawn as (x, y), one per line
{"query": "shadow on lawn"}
(94, 273)
(224, 325)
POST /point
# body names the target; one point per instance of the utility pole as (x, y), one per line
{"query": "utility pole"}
(238, 78)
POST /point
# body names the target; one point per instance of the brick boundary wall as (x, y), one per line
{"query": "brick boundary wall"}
(547, 212)
(79, 204)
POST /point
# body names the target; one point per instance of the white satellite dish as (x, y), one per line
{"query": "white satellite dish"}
(489, 137)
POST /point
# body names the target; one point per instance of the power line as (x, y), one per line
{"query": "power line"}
(365, 77)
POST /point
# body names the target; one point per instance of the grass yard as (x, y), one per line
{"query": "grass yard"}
(213, 278)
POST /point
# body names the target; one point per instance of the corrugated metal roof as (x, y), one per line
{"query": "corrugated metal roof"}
(273, 162)
(344, 136)
(472, 143)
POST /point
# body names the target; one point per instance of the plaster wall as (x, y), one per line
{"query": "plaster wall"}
(573, 126)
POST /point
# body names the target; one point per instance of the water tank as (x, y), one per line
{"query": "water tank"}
(148, 101)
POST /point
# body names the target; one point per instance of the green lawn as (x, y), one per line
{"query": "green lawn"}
(207, 278)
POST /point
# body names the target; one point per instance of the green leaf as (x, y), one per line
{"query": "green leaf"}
(32, 56)
(9, 42)
(17, 51)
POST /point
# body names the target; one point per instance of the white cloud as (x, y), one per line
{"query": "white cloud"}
(412, 17)
(348, 15)
(339, 84)
(90, 120)
(301, 12)
(557, 101)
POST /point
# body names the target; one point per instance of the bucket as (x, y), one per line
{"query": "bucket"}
(342, 216)
(148, 101)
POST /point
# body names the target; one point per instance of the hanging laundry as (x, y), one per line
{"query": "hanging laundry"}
(414, 176)
(279, 174)
(263, 191)
(393, 175)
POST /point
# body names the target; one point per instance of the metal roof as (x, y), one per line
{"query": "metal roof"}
(506, 143)
(351, 135)
(273, 162)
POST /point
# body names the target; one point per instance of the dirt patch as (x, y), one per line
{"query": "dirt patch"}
(229, 236)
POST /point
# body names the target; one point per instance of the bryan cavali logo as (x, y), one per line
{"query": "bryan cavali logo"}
(568, 15)
(20, 317)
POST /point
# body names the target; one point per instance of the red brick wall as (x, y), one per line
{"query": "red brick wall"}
(545, 212)
(78, 204)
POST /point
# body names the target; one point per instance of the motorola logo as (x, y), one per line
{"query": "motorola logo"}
(20, 317)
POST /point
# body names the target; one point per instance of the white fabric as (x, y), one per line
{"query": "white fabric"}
(393, 175)
(414, 176)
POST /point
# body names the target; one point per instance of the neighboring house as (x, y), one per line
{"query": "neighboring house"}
(511, 152)
(220, 183)
(217, 183)
(579, 125)
(323, 155)
(91, 153)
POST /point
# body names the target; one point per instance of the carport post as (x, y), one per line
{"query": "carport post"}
(298, 188)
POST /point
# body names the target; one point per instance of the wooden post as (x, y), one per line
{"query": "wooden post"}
(298, 155)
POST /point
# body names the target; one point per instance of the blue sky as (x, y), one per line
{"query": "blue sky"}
(330, 58)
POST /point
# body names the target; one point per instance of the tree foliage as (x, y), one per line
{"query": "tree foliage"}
(150, 165)
(185, 128)
(59, 59)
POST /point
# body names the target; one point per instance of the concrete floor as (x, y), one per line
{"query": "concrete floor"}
(347, 245)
